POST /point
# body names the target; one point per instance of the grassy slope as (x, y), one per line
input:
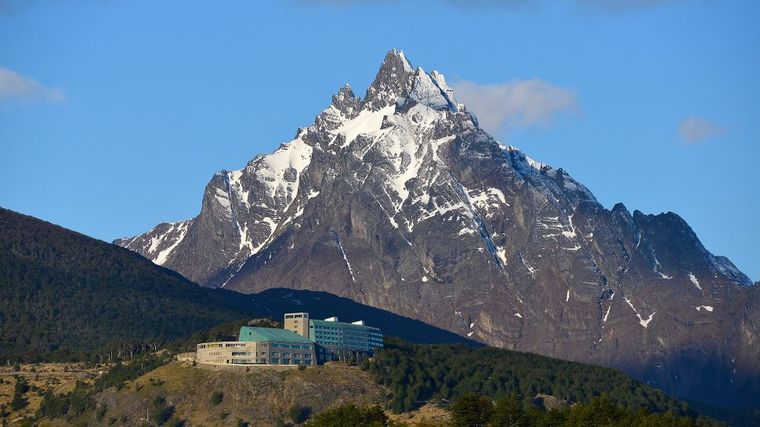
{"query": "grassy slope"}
(259, 396)
(57, 377)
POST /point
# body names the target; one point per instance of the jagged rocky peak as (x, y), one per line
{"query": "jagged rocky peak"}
(346, 102)
(399, 97)
(431, 90)
(397, 81)
(392, 81)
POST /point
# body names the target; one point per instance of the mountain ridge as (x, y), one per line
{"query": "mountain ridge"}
(398, 200)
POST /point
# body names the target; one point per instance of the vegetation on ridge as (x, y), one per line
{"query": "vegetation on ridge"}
(65, 296)
(416, 374)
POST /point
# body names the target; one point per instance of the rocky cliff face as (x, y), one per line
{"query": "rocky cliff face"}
(401, 201)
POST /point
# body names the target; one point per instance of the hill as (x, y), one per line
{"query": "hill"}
(415, 373)
(407, 380)
(64, 295)
(222, 395)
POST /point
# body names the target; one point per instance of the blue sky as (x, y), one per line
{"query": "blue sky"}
(115, 114)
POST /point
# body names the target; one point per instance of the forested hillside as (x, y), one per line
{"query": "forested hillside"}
(67, 296)
(415, 374)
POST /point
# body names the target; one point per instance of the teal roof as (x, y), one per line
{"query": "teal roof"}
(252, 333)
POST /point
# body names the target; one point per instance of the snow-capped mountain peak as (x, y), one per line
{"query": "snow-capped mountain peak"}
(400, 200)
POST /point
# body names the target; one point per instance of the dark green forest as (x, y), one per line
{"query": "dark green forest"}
(416, 374)
(66, 296)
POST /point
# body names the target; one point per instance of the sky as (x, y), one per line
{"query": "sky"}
(115, 114)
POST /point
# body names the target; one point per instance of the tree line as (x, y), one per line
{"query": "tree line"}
(416, 374)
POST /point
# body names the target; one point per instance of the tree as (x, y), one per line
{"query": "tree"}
(508, 412)
(160, 412)
(350, 415)
(471, 410)
(19, 400)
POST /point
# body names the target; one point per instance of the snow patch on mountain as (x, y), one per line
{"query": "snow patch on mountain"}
(364, 123)
(281, 171)
(345, 258)
(181, 229)
(642, 322)
(694, 280)
(488, 200)
(531, 270)
(427, 92)
(657, 268)
(237, 187)
(222, 197)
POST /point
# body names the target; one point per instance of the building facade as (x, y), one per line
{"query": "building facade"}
(298, 323)
(336, 340)
(259, 346)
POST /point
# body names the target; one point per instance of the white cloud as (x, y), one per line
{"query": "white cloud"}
(14, 85)
(516, 103)
(697, 129)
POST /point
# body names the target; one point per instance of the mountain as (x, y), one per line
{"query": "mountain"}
(67, 296)
(399, 200)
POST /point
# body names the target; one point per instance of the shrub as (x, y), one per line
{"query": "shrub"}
(298, 414)
(175, 422)
(101, 413)
(217, 397)
(160, 412)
